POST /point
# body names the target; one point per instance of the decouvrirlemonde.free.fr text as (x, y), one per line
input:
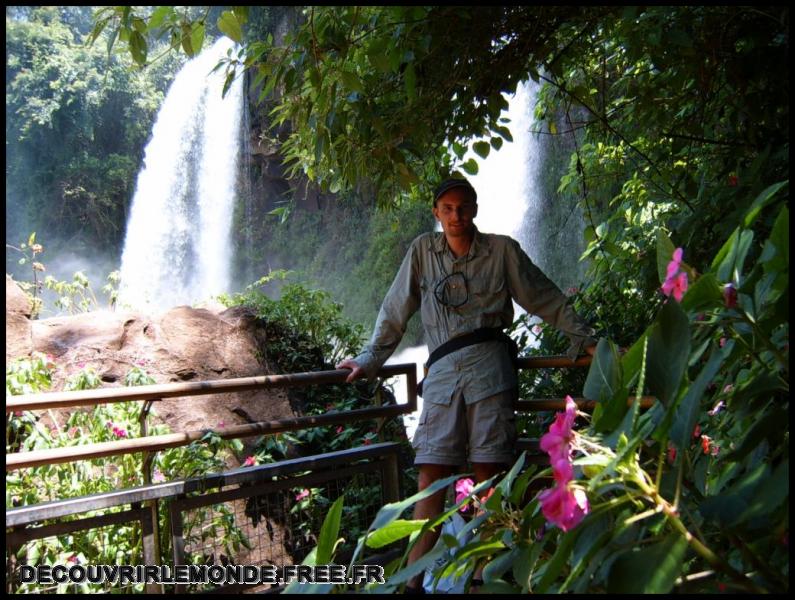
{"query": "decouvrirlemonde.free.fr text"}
(201, 574)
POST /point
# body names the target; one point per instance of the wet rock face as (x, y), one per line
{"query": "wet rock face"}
(182, 344)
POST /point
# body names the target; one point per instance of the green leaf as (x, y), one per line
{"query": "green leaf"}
(229, 26)
(775, 255)
(396, 530)
(604, 384)
(411, 82)
(504, 132)
(770, 495)
(604, 374)
(159, 16)
(762, 200)
(241, 12)
(499, 565)
(706, 293)
(688, 410)
(138, 47)
(496, 143)
(197, 38)
(553, 566)
(329, 532)
(730, 507)
(470, 166)
(669, 350)
(504, 486)
(729, 261)
(379, 60)
(665, 251)
(393, 510)
(481, 149)
(650, 570)
(351, 81)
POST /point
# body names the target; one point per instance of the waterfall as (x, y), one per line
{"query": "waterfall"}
(177, 248)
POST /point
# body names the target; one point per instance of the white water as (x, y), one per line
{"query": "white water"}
(177, 248)
(506, 194)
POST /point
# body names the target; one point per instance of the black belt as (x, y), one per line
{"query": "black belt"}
(468, 339)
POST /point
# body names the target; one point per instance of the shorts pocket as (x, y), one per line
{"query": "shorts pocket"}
(420, 439)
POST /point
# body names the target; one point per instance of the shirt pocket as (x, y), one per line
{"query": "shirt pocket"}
(486, 295)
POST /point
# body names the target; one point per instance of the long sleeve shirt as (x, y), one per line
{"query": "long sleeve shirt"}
(496, 270)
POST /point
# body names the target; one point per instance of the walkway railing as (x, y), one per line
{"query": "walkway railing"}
(259, 494)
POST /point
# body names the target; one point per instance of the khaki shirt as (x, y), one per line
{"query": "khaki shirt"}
(496, 270)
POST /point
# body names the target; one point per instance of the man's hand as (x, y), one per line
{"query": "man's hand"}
(356, 371)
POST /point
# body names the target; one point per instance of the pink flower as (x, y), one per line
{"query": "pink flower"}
(563, 506)
(716, 409)
(221, 424)
(676, 285)
(81, 365)
(714, 450)
(537, 329)
(73, 432)
(158, 477)
(730, 295)
(562, 470)
(463, 488)
(340, 429)
(250, 461)
(73, 559)
(671, 454)
(722, 342)
(573, 290)
(119, 432)
(556, 441)
(141, 363)
(705, 443)
(697, 430)
(301, 495)
(675, 264)
(675, 279)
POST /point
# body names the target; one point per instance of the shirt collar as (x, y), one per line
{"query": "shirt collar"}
(480, 244)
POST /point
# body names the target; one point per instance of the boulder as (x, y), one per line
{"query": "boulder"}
(182, 344)
(19, 340)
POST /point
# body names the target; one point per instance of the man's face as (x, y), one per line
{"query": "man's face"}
(455, 210)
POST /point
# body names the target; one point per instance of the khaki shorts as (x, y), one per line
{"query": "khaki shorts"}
(484, 431)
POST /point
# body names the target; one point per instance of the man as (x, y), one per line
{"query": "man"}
(463, 281)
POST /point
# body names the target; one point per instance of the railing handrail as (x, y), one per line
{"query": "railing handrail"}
(25, 515)
(45, 400)
(42, 401)
(158, 391)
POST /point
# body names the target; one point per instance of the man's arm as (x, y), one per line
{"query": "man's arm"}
(538, 295)
(401, 301)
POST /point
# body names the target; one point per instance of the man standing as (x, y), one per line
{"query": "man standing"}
(463, 282)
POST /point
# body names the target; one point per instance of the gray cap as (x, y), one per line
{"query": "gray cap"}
(449, 184)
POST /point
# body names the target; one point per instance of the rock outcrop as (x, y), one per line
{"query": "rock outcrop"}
(182, 344)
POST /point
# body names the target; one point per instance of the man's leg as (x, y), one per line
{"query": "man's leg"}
(492, 438)
(428, 508)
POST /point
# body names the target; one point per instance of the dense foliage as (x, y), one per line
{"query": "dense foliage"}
(679, 121)
(77, 120)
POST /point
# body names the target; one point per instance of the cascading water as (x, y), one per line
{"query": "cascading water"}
(177, 248)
